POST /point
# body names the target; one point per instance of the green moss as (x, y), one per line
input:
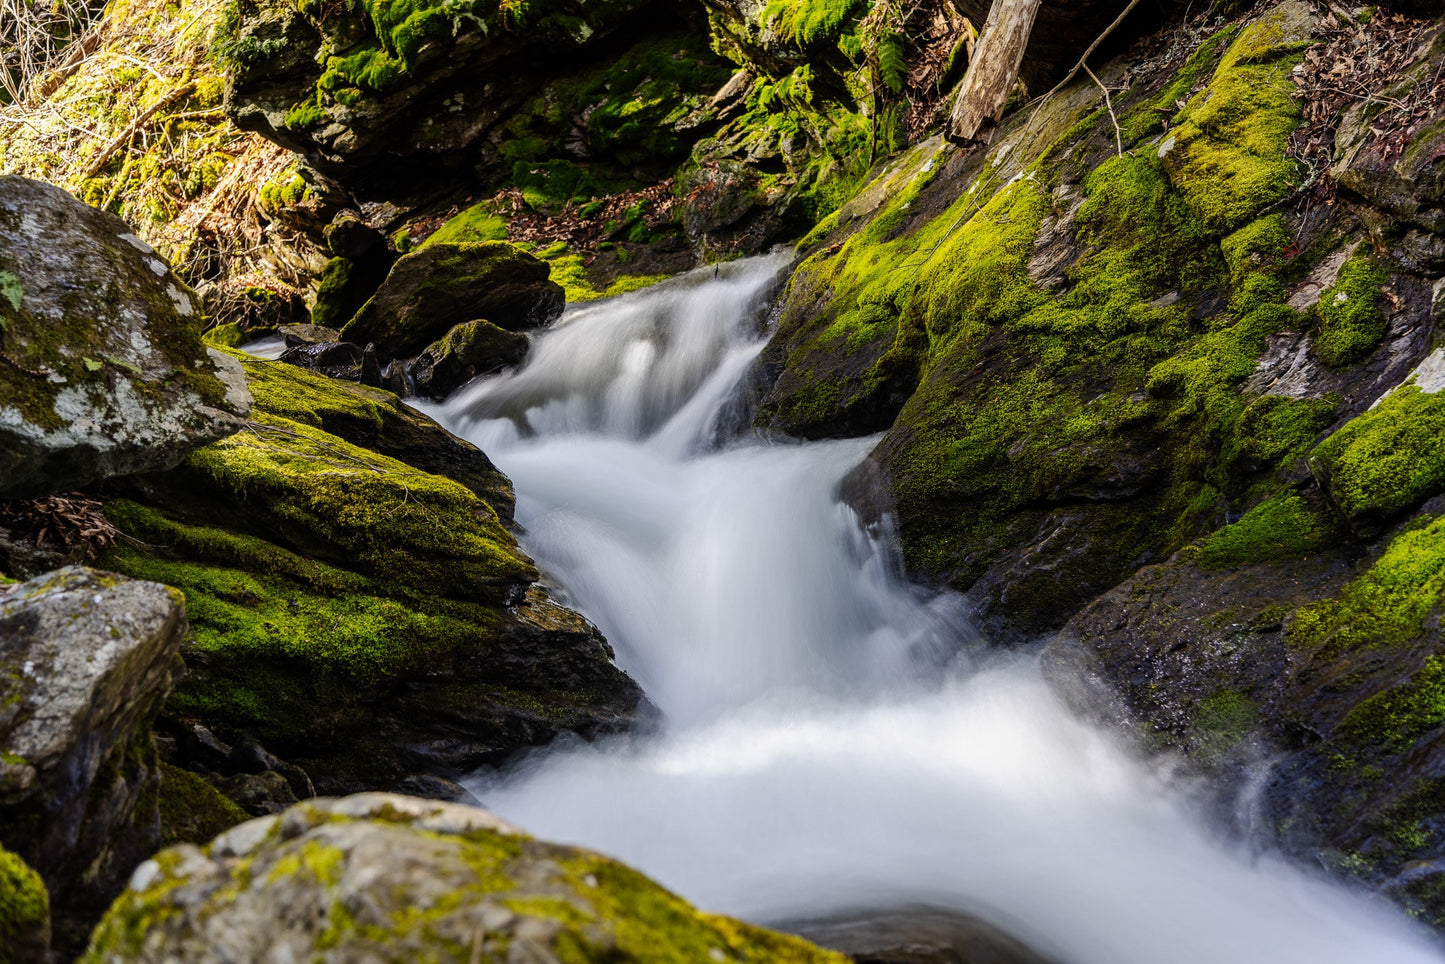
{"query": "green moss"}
(1387, 460)
(478, 223)
(24, 910)
(1389, 605)
(1282, 528)
(570, 271)
(285, 190)
(1221, 721)
(1351, 322)
(643, 922)
(229, 335)
(1398, 716)
(339, 569)
(1148, 117)
(1227, 153)
(193, 811)
(1257, 247)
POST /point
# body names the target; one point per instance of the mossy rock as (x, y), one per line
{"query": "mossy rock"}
(193, 811)
(100, 379)
(439, 286)
(377, 420)
(1057, 338)
(397, 878)
(468, 350)
(364, 618)
(24, 913)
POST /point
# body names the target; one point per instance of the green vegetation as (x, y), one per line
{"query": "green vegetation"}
(341, 566)
(1285, 527)
(1108, 391)
(1401, 714)
(1388, 605)
(1388, 459)
(24, 910)
(193, 811)
(1227, 151)
(1351, 321)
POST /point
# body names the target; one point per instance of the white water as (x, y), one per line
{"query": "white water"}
(817, 755)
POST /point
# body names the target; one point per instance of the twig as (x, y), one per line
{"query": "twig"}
(1109, 104)
(1074, 71)
(97, 165)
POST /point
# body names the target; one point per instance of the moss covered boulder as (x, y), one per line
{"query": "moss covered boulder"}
(104, 377)
(24, 913)
(440, 286)
(362, 617)
(1084, 359)
(468, 350)
(384, 877)
(86, 659)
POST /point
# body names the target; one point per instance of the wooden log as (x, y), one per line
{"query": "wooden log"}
(994, 69)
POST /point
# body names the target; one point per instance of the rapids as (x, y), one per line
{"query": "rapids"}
(832, 737)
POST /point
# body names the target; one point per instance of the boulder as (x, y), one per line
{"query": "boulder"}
(24, 913)
(364, 618)
(432, 290)
(100, 378)
(468, 350)
(86, 659)
(387, 877)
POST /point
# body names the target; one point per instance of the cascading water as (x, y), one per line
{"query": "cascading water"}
(816, 754)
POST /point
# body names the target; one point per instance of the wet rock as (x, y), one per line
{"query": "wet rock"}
(334, 359)
(382, 876)
(432, 290)
(102, 378)
(432, 787)
(914, 935)
(468, 350)
(258, 794)
(86, 658)
(298, 335)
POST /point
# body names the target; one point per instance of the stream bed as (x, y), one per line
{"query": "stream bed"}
(830, 737)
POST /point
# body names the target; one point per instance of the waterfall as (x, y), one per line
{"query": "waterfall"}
(832, 737)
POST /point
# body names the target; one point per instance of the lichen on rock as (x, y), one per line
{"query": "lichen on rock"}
(392, 877)
(86, 659)
(102, 379)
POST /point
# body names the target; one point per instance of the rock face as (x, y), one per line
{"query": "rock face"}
(104, 377)
(443, 285)
(384, 877)
(366, 618)
(87, 659)
(443, 91)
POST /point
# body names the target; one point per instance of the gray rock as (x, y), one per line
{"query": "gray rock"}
(382, 877)
(102, 369)
(86, 658)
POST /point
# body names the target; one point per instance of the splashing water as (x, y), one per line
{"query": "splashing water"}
(816, 754)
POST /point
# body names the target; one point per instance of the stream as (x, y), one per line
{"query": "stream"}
(831, 737)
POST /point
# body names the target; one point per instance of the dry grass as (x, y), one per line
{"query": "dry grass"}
(130, 119)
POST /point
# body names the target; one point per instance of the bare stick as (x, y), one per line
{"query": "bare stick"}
(1109, 103)
(103, 158)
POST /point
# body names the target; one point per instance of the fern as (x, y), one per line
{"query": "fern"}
(892, 62)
